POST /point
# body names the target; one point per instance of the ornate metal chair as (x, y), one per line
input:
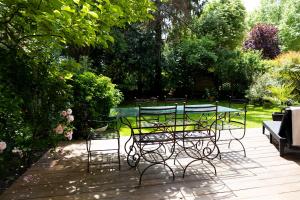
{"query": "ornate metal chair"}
(155, 139)
(102, 130)
(198, 138)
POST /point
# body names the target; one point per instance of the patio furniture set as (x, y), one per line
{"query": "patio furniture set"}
(179, 134)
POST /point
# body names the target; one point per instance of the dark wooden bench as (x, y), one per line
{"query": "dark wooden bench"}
(274, 127)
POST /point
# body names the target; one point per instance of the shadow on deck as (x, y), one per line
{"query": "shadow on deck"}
(261, 175)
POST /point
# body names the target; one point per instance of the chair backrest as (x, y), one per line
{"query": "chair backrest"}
(286, 126)
(200, 117)
(157, 119)
(177, 100)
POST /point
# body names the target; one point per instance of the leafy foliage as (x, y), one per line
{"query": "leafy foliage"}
(81, 23)
(236, 70)
(289, 25)
(281, 82)
(130, 60)
(269, 12)
(188, 60)
(35, 70)
(224, 21)
(264, 37)
(283, 14)
(93, 97)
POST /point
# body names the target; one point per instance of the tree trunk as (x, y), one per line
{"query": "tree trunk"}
(157, 89)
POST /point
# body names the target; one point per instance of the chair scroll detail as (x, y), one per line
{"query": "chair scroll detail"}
(155, 139)
(107, 129)
(198, 137)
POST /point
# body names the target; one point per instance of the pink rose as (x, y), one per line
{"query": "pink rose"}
(2, 146)
(59, 129)
(69, 111)
(70, 118)
(64, 113)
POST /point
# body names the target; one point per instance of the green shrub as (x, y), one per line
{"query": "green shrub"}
(280, 83)
(236, 69)
(93, 97)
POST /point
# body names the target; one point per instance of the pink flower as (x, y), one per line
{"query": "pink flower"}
(70, 118)
(69, 111)
(2, 146)
(59, 129)
(69, 135)
(64, 113)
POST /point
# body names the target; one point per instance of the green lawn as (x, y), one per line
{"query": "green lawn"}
(255, 115)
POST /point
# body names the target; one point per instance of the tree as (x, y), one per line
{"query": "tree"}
(76, 22)
(289, 26)
(264, 37)
(32, 36)
(130, 60)
(224, 21)
(188, 60)
(269, 12)
(283, 14)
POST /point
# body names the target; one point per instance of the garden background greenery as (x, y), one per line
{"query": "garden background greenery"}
(92, 55)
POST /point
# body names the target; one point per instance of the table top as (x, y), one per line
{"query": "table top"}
(133, 111)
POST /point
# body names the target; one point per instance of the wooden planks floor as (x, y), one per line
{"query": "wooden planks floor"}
(61, 175)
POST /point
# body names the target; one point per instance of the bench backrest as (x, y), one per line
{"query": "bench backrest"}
(286, 127)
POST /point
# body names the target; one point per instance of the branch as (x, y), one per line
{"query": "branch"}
(39, 4)
(11, 17)
(38, 35)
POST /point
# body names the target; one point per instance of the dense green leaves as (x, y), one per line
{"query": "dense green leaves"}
(224, 20)
(93, 97)
(67, 22)
(187, 61)
(36, 72)
(290, 26)
(281, 82)
(285, 15)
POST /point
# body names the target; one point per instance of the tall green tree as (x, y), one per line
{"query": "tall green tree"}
(284, 14)
(224, 21)
(290, 25)
(269, 12)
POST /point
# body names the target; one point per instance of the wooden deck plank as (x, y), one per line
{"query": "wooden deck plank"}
(260, 175)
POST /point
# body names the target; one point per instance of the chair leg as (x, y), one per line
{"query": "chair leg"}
(119, 159)
(263, 130)
(88, 163)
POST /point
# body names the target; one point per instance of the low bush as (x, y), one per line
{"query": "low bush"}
(93, 97)
(280, 83)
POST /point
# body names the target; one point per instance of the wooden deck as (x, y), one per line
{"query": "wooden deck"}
(261, 175)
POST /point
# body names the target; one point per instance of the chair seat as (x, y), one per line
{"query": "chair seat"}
(104, 135)
(154, 137)
(229, 126)
(193, 135)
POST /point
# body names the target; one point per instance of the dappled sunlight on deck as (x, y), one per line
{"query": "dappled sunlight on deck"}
(62, 174)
